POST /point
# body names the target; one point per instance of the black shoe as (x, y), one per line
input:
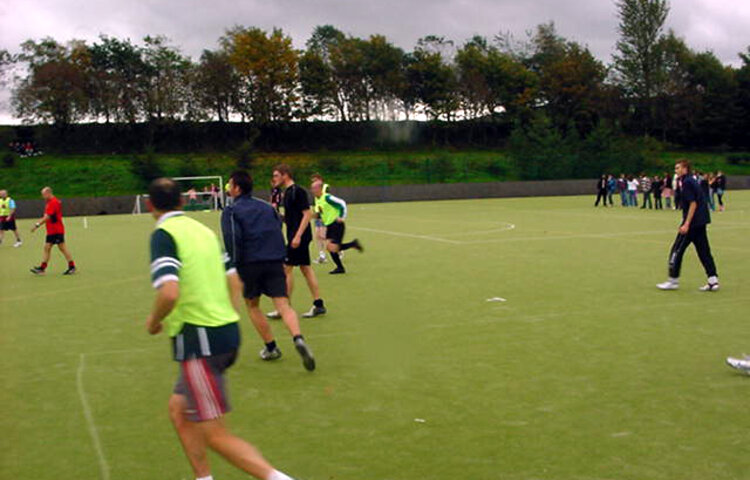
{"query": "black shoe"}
(358, 246)
(307, 357)
(337, 271)
(70, 271)
(314, 312)
(37, 270)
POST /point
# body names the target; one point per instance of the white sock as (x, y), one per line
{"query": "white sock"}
(713, 279)
(674, 280)
(277, 475)
(210, 477)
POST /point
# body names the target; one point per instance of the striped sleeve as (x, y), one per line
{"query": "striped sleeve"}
(165, 264)
(338, 204)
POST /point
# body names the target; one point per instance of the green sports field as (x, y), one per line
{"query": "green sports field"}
(586, 371)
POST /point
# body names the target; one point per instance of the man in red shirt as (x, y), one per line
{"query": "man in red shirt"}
(55, 233)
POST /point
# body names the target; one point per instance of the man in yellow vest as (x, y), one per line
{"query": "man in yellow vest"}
(8, 217)
(194, 305)
(332, 211)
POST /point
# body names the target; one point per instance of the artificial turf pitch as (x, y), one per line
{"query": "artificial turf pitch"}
(585, 372)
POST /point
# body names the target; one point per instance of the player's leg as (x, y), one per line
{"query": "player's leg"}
(318, 307)
(45, 260)
(191, 436)
(238, 452)
(270, 350)
(675, 262)
(71, 264)
(700, 240)
(289, 316)
(288, 282)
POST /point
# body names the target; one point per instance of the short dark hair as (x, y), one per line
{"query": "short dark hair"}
(284, 169)
(165, 194)
(684, 162)
(243, 180)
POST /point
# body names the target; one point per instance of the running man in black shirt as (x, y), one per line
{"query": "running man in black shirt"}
(297, 216)
(695, 218)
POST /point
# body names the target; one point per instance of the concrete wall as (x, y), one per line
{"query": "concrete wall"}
(392, 193)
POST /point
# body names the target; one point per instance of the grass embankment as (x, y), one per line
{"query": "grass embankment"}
(103, 175)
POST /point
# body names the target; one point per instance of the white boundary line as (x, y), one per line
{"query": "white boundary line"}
(103, 465)
(409, 235)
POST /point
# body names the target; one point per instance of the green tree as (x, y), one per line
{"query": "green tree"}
(267, 65)
(639, 61)
(433, 78)
(165, 81)
(215, 83)
(742, 120)
(55, 88)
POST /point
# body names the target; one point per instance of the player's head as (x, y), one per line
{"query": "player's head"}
(240, 183)
(317, 188)
(164, 195)
(316, 176)
(682, 166)
(47, 193)
(282, 175)
(3, 193)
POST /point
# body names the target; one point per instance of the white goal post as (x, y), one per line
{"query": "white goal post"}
(198, 197)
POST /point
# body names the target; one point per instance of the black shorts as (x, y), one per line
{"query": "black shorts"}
(8, 225)
(299, 256)
(56, 239)
(266, 278)
(335, 232)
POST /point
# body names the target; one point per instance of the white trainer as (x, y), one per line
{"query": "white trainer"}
(742, 364)
(668, 285)
(709, 287)
(18, 244)
(275, 315)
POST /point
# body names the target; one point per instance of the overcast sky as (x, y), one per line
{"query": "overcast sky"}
(718, 25)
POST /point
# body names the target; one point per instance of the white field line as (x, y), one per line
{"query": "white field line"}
(527, 238)
(408, 235)
(103, 465)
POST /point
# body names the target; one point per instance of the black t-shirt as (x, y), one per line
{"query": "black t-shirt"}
(691, 192)
(295, 204)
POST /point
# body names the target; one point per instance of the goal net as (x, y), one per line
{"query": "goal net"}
(198, 194)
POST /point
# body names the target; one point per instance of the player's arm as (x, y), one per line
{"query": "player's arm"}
(689, 218)
(231, 232)
(306, 216)
(165, 268)
(339, 205)
(40, 222)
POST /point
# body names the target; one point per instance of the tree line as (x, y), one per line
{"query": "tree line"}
(655, 84)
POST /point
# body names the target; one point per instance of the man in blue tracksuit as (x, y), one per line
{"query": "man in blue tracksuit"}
(253, 240)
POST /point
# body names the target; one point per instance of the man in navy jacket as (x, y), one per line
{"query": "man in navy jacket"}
(253, 240)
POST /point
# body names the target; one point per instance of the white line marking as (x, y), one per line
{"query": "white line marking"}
(409, 235)
(496, 299)
(508, 227)
(103, 466)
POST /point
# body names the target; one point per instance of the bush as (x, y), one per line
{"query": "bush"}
(146, 167)
(441, 168)
(330, 165)
(245, 156)
(9, 160)
(738, 159)
(188, 167)
(497, 169)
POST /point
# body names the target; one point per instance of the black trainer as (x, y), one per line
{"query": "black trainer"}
(314, 312)
(337, 271)
(307, 357)
(70, 271)
(37, 270)
(358, 246)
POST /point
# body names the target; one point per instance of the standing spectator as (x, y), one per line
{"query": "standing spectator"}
(622, 187)
(677, 182)
(721, 186)
(704, 180)
(712, 190)
(601, 191)
(667, 189)
(656, 189)
(646, 190)
(611, 188)
(632, 191)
